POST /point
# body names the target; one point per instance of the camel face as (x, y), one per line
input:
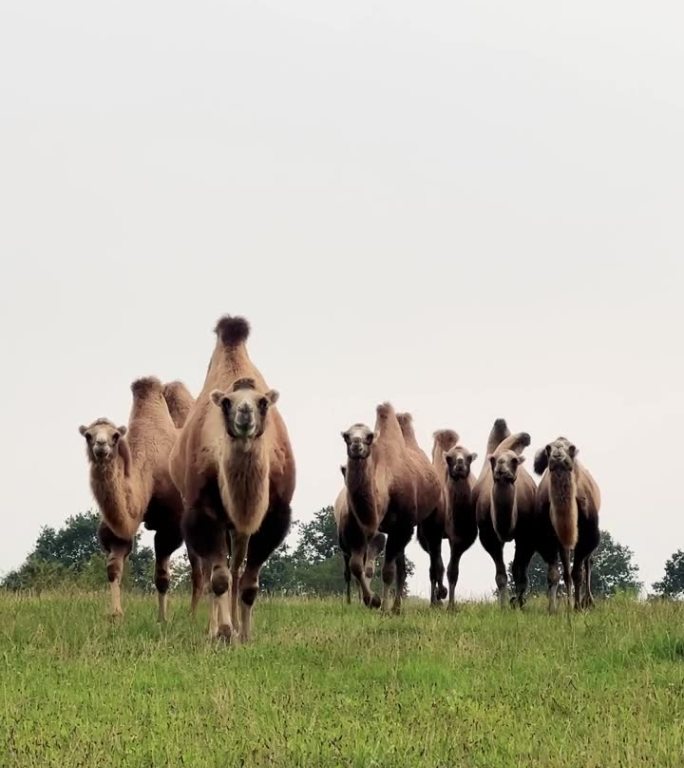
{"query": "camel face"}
(359, 439)
(458, 462)
(245, 410)
(505, 466)
(561, 455)
(102, 440)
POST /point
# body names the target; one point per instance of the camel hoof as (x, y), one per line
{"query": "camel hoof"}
(225, 633)
(372, 602)
(115, 615)
(442, 593)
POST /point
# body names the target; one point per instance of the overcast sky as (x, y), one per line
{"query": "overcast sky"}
(471, 209)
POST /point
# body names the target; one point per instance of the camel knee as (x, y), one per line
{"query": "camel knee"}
(501, 580)
(114, 570)
(220, 580)
(162, 582)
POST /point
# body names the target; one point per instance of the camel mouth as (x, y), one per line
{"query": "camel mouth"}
(458, 473)
(243, 431)
(101, 454)
(504, 478)
(559, 465)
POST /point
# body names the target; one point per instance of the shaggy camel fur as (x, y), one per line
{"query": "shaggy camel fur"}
(455, 462)
(130, 480)
(504, 498)
(350, 536)
(179, 402)
(430, 531)
(569, 496)
(382, 490)
(234, 467)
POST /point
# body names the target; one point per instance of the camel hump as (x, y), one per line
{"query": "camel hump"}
(445, 438)
(147, 386)
(232, 331)
(516, 443)
(245, 383)
(499, 433)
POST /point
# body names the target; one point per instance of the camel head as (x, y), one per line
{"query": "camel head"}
(459, 461)
(505, 466)
(103, 440)
(560, 455)
(245, 409)
(359, 439)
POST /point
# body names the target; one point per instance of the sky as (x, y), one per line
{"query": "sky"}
(472, 209)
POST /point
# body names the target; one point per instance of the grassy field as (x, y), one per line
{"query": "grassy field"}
(326, 684)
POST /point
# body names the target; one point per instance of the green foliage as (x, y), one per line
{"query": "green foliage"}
(613, 571)
(72, 555)
(326, 684)
(672, 583)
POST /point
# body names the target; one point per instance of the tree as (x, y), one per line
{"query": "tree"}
(672, 583)
(613, 570)
(318, 538)
(72, 555)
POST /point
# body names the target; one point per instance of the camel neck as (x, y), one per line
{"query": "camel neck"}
(504, 510)
(361, 490)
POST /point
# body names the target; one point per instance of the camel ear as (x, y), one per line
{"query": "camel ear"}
(492, 460)
(473, 456)
(449, 459)
(345, 437)
(521, 459)
(217, 397)
(547, 449)
(83, 429)
(369, 438)
(123, 430)
(273, 396)
(572, 450)
(343, 470)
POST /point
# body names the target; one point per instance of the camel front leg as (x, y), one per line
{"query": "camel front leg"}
(197, 577)
(115, 566)
(394, 567)
(238, 551)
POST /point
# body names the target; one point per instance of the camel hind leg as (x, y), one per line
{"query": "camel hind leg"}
(521, 565)
(238, 550)
(397, 539)
(494, 548)
(166, 542)
(197, 578)
(429, 536)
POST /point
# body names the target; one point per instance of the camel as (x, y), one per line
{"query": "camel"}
(349, 536)
(504, 498)
(382, 490)
(430, 531)
(460, 522)
(234, 467)
(130, 480)
(569, 496)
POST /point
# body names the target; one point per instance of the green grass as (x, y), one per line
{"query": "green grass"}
(327, 684)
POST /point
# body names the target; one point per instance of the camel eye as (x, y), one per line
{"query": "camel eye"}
(115, 438)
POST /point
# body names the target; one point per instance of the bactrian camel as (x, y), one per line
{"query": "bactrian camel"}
(350, 537)
(430, 530)
(130, 480)
(504, 498)
(453, 463)
(569, 496)
(382, 493)
(235, 469)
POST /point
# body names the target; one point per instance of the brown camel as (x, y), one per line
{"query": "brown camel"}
(382, 495)
(350, 535)
(504, 498)
(570, 498)
(431, 528)
(460, 517)
(234, 467)
(130, 480)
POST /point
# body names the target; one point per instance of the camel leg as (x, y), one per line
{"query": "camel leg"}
(397, 540)
(567, 577)
(358, 569)
(238, 550)
(347, 576)
(197, 576)
(521, 564)
(166, 542)
(494, 548)
(429, 536)
(588, 595)
(375, 547)
(552, 579)
(117, 551)
(453, 570)
(261, 545)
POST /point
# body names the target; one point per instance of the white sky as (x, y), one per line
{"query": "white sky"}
(472, 209)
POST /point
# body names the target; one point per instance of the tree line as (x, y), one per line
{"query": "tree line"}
(71, 556)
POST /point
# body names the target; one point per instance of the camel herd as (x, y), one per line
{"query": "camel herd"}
(218, 474)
